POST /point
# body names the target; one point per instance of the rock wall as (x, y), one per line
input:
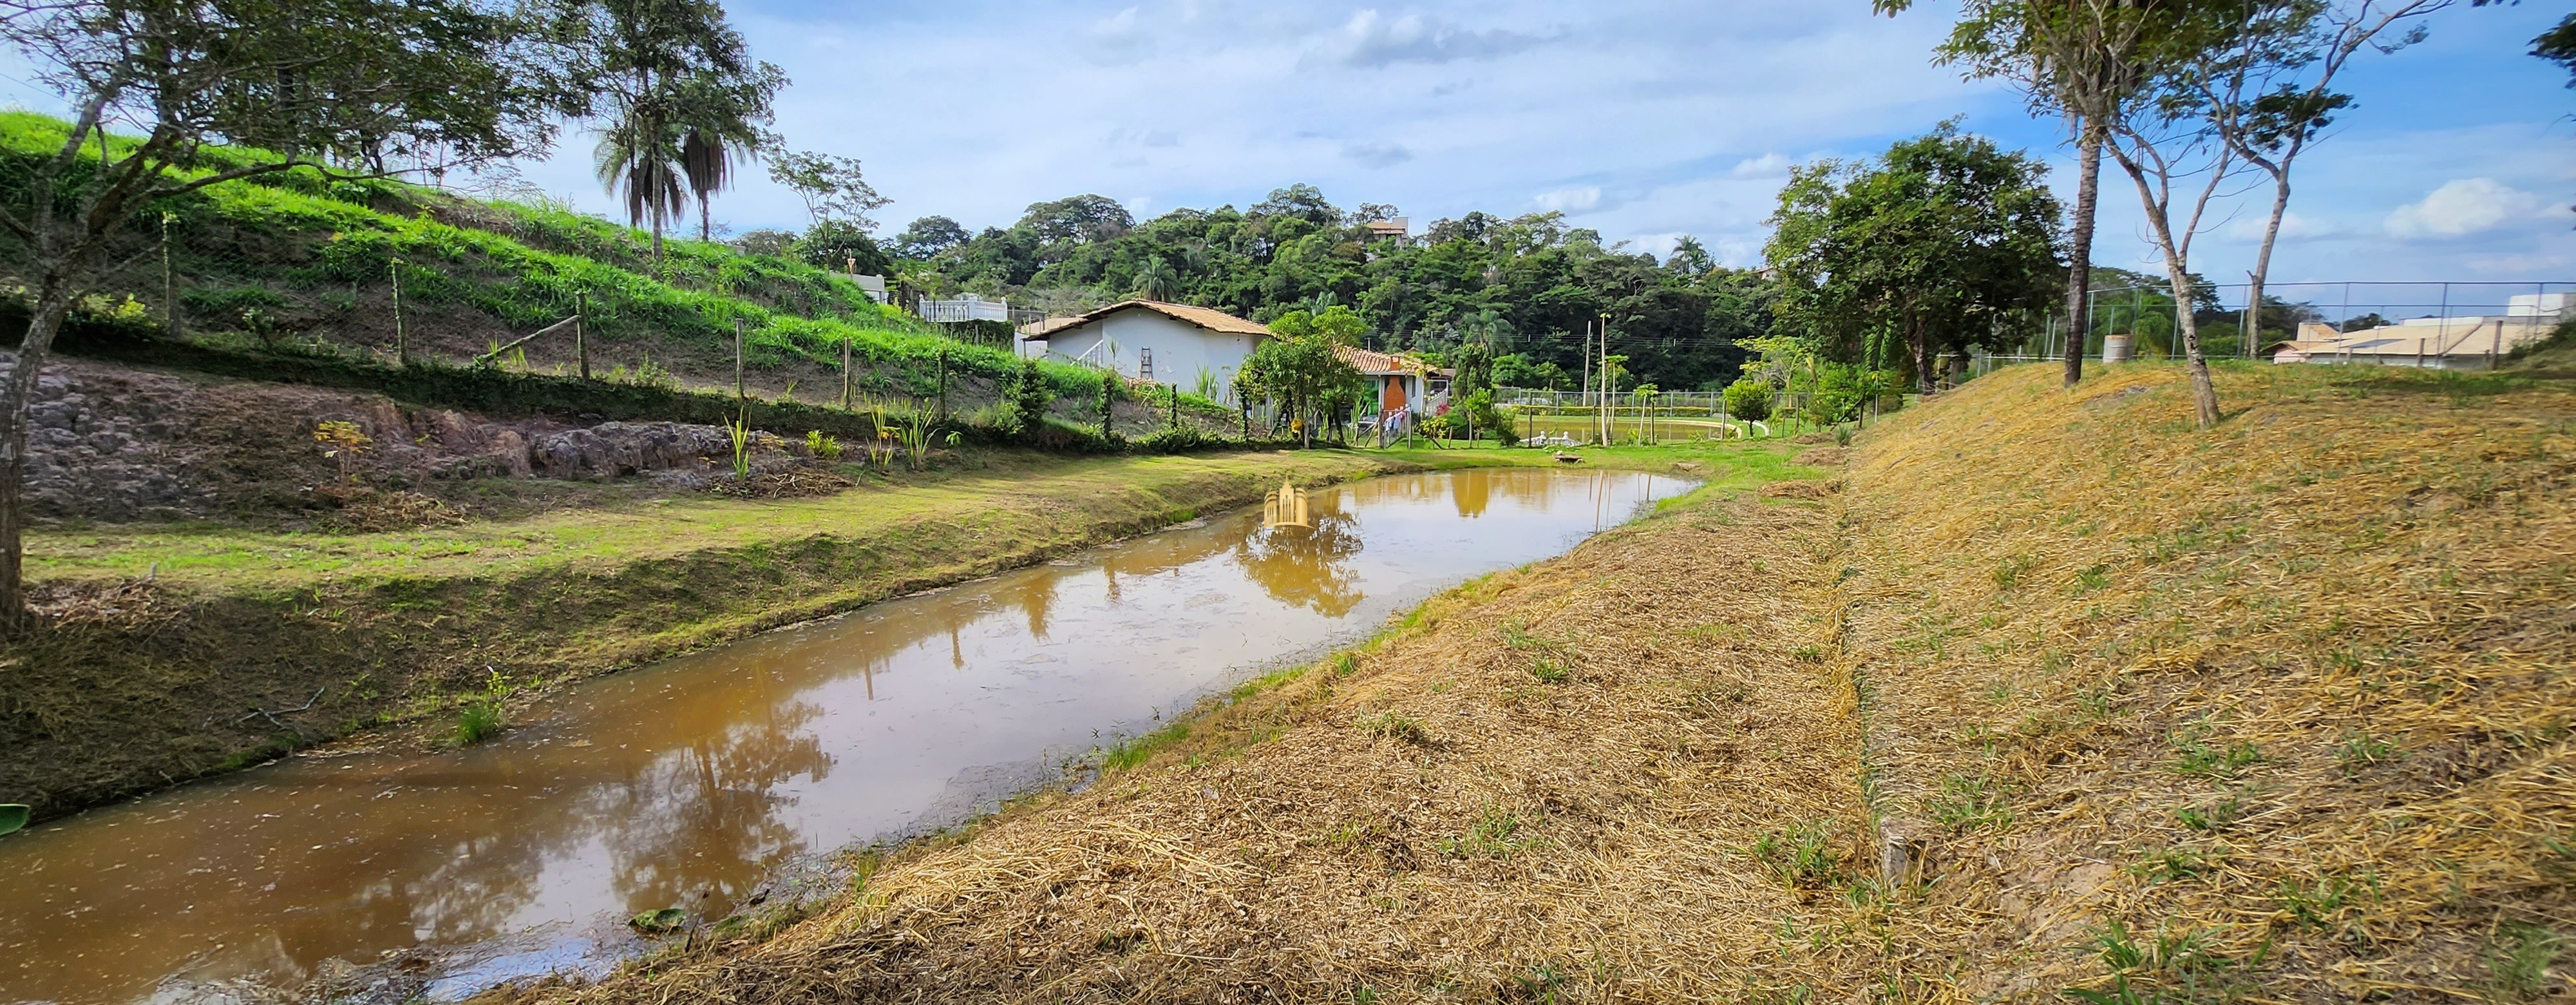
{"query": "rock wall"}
(117, 444)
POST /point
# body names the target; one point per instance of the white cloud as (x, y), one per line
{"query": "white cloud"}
(1765, 166)
(2464, 206)
(1370, 39)
(1571, 200)
(2293, 227)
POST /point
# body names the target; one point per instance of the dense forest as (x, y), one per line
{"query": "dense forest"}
(1526, 286)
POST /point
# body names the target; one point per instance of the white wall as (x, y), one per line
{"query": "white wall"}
(1180, 349)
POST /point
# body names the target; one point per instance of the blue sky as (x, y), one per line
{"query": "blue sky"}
(1642, 120)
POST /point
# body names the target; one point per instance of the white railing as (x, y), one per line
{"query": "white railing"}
(967, 308)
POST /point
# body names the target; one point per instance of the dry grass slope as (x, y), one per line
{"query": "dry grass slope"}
(2275, 714)
(2284, 709)
(1605, 779)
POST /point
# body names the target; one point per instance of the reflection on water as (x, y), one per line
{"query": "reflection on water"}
(686, 783)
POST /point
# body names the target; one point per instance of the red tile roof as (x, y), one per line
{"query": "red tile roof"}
(1204, 317)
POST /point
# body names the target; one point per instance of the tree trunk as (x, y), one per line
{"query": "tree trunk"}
(53, 301)
(2250, 327)
(2204, 395)
(705, 226)
(2079, 269)
(1922, 357)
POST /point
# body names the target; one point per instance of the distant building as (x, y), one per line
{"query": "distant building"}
(1148, 340)
(1399, 228)
(2460, 343)
(1403, 384)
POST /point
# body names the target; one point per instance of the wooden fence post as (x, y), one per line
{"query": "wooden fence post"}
(402, 350)
(738, 394)
(845, 375)
(581, 345)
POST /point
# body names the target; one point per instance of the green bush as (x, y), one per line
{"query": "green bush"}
(1748, 399)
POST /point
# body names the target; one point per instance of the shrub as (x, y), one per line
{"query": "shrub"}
(1025, 398)
(1179, 439)
(1748, 399)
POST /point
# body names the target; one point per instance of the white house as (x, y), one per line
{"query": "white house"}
(1153, 341)
(2473, 342)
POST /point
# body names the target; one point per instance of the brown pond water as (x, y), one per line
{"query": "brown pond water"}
(695, 782)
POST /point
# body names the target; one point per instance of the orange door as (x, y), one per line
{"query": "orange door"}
(1394, 397)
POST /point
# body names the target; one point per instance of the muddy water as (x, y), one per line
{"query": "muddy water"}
(691, 783)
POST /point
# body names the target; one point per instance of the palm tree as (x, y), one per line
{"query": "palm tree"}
(1158, 280)
(720, 120)
(639, 158)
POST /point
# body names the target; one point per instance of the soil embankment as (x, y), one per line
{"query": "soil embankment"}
(174, 651)
(2046, 691)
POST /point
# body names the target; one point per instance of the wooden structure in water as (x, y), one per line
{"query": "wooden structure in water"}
(1286, 506)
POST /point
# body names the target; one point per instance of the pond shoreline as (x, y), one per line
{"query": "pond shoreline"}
(152, 683)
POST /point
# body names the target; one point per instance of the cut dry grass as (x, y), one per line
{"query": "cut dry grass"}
(1430, 822)
(2294, 693)
(2046, 696)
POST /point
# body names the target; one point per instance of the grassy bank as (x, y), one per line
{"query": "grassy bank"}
(2045, 691)
(177, 651)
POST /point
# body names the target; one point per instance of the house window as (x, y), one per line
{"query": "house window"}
(1144, 362)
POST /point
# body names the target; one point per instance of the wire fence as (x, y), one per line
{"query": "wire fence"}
(2454, 325)
(512, 288)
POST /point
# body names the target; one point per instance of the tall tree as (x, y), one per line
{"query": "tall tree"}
(638, 160)
(345, 88)
(1929, 248)
(721, 120)
(671, 69)
(833, 188)
(2268, 89)
(2074, 58)
(2177, 159)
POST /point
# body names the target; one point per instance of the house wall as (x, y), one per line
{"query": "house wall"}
(1180, 349)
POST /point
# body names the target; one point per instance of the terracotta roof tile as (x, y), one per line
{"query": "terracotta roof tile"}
(1205, 317)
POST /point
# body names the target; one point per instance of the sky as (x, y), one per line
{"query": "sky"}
(1644, 121)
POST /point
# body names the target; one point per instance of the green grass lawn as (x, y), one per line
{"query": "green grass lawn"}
(210, 556)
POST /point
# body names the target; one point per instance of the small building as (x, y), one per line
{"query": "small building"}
(1402, 385)
(1398, 228)
(2460, 343)
(1151, 341)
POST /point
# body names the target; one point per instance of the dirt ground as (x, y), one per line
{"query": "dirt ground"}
(2044, 695)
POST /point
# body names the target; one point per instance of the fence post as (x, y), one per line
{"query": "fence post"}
(581, 342)
(943, 380)
(169, 285)
(845, 375)
(738, 394)
(402, 350)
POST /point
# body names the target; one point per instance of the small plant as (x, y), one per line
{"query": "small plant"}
(1969, 802)
(2518, 965)
(347, 443)
(2216, 816)
(1494, 835)
(1843, 435)
(482, 715)
(1550, 671)
(1800, 856)
(2008, 575)
(787, 395)
(2318, 904)
(2174, 864)
(2196, 756)
(741, 434)
(2360, 750)
(823, 445)
(662, 922)
(1395, 726)
(916, 436)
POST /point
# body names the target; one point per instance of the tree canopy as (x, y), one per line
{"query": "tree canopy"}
(1943, 243)
(1527, 286)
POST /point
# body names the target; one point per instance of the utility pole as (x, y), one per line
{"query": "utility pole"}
(1608, 385)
